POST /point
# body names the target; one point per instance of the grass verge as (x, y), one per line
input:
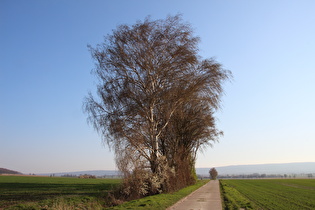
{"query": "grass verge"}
(233, 199)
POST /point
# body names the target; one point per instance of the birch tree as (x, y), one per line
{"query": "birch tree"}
(151, 79)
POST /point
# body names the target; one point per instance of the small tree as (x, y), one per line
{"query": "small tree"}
(213, 173)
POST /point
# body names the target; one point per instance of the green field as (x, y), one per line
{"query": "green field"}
(27, 192)
(268, 194)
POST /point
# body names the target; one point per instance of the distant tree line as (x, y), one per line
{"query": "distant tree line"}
(262, 176)
(87, 176)
(69, 175)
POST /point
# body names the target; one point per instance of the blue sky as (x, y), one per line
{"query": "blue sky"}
(268, 110)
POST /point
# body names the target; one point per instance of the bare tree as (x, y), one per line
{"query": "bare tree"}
(213, 173)
(156, 96)
(191, 130)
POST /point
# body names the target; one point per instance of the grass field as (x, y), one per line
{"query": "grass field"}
(27, 192)
(269, 194)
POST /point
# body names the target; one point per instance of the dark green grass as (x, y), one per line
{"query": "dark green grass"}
(269, 193)
(27, 192)
(161, 201)
(233, 199)
(43, 192)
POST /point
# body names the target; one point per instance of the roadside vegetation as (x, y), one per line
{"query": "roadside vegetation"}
(268, 194)
(232, 198)
(29, 192)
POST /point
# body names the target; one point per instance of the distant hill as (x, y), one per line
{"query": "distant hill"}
(7, 171)
(94, 173)
(281, 168)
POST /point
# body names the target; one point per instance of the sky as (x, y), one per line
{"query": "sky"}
(267, 113)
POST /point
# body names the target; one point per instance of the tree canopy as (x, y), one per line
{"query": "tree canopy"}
(213, 173)
(155, 99)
